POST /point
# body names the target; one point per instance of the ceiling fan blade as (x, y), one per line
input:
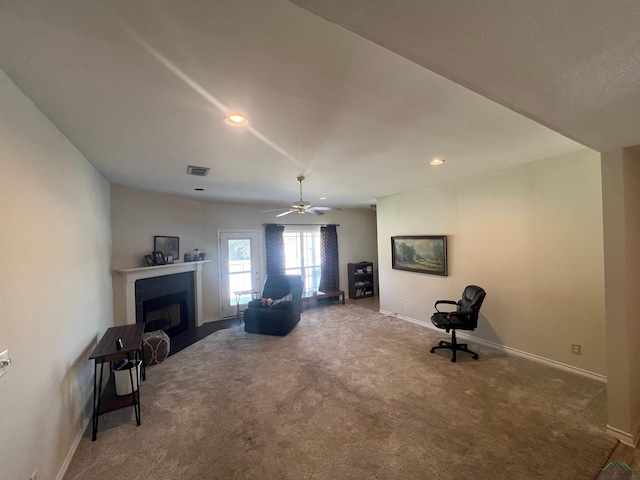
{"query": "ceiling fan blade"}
(274, 210)
(327, 208)
(285, 213)
(314, 212)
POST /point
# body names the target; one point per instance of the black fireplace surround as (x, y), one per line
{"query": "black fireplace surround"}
(166, 303)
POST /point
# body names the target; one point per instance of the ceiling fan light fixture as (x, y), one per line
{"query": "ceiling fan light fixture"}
(302, 206)
(236, 120)
(436, 161)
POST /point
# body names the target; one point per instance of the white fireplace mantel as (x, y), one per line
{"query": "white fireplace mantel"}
(130, 275)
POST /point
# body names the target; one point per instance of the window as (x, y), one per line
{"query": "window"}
(302, 255)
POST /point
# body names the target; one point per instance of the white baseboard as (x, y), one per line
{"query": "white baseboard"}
(506, 349)
(210, 319)
(627, 438)
(72, 451)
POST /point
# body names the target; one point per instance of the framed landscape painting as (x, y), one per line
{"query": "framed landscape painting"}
(422, 254)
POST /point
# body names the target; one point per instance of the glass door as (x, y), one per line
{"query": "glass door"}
(239, 269)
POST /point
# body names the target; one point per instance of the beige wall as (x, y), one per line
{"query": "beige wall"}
(138, 215)
(55, 287)
(621, 202)
(531, 236)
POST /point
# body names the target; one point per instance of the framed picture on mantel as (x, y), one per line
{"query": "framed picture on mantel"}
(421, 254)
(158, 258)
(168, 245)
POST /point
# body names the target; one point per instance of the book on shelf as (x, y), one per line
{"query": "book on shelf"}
(363, 292)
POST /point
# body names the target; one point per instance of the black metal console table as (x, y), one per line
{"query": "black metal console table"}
(105, 400)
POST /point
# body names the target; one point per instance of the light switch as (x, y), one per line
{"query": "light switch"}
(5, 362)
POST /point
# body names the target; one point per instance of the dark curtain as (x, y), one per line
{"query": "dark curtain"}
(329, 270)
(275, 248)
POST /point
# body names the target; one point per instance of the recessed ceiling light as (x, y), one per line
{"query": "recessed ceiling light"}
(236, 120)
(322, 198)
(199, 189)
(436, 161)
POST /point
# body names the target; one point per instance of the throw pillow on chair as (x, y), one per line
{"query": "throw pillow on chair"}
(286, 298)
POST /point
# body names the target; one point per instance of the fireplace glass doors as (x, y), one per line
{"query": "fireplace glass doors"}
(168, 313)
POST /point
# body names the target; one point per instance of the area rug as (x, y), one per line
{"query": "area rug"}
(350, 394)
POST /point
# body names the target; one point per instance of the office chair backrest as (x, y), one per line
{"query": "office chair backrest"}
(471, 300)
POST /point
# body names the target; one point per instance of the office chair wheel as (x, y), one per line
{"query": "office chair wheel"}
(475, 357)
(432, 350)
(453, 360)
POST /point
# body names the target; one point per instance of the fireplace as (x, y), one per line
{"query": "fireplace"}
(166, 303)
(132, 286)
(168, 313)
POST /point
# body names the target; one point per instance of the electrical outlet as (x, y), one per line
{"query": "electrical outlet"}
(34, 475)
(401, 305)
(576, 349)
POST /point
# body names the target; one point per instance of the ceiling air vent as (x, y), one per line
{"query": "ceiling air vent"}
(198, 171)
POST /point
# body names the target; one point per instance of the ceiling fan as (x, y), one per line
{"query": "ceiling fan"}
(301, 206)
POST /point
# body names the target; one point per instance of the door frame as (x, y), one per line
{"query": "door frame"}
(257, 281)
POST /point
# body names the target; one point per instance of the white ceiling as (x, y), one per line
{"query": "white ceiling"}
(141, 88)
(573, 65)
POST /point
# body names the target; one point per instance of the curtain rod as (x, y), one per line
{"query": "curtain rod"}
(302, 224)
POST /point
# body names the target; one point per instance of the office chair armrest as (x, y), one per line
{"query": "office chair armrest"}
(448, 302)
(460, 313)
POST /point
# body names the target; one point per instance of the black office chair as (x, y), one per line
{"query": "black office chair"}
(465, 317)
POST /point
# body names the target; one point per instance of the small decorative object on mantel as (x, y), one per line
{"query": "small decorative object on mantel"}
(194, 256)
(149, 260)
(169, 259)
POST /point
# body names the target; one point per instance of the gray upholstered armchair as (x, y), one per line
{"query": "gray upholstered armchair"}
(281, 318)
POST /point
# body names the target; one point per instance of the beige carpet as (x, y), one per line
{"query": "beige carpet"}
(350, 394)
